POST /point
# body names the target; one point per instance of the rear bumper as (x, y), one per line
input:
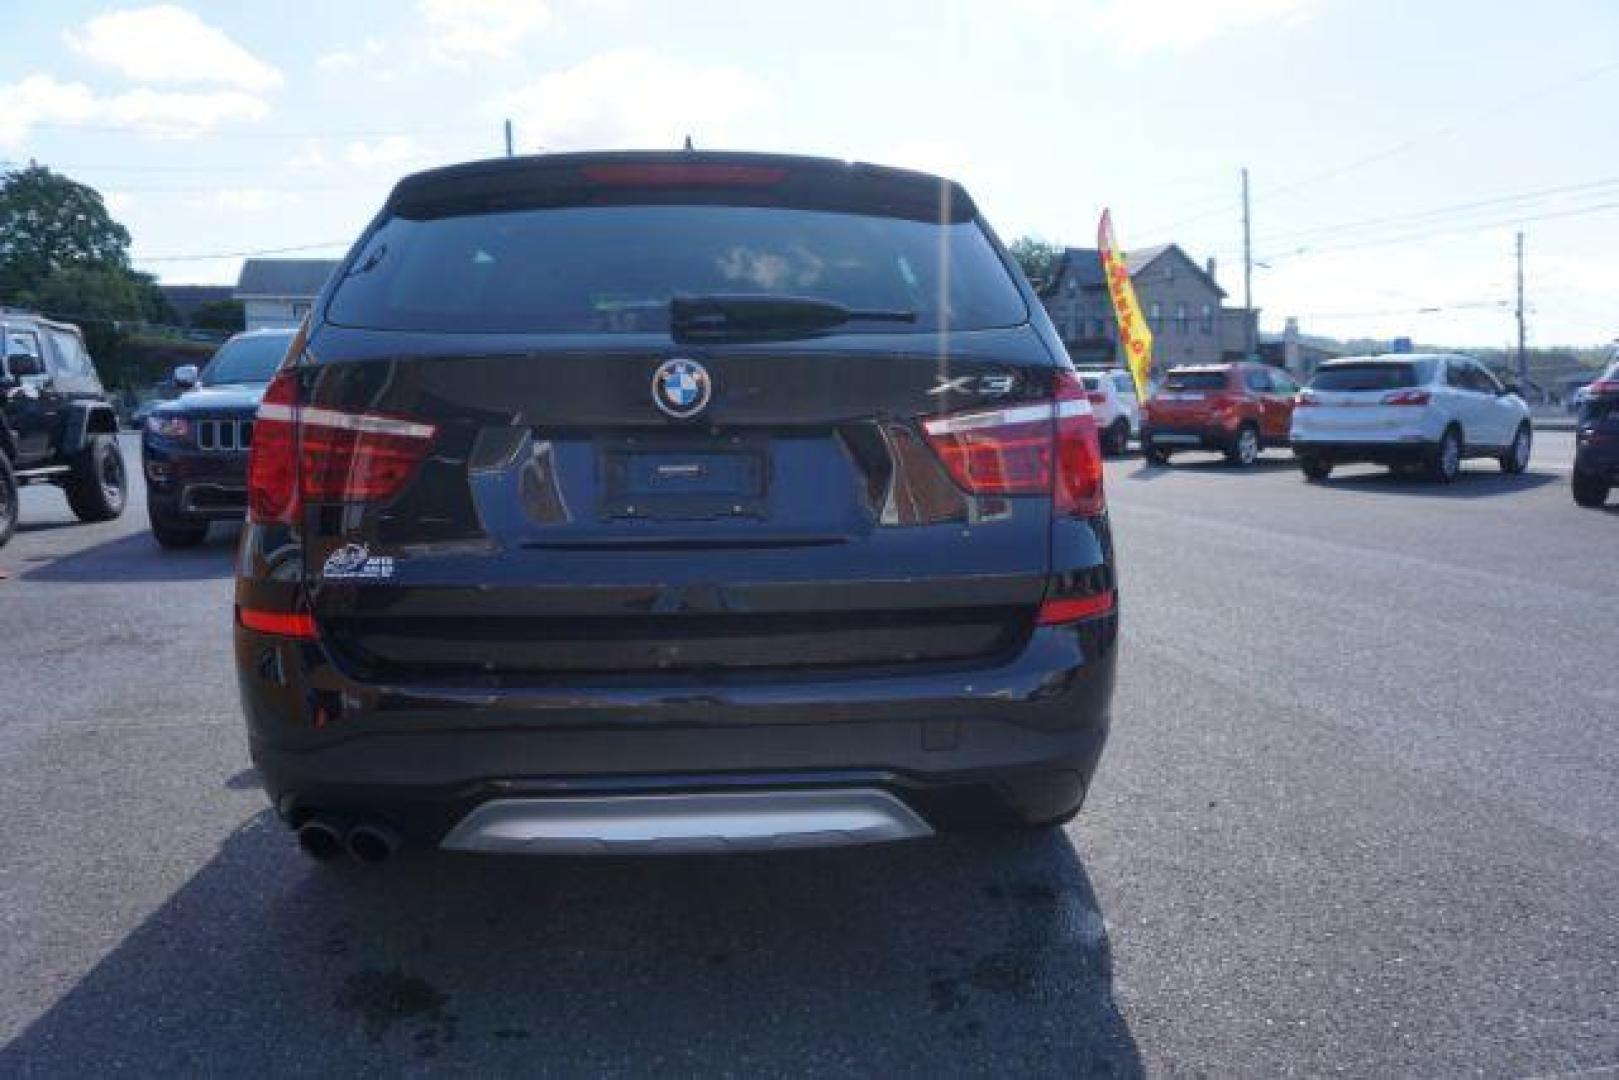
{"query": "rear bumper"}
(1017, 743)
(1389, 452)
(1601, 460)
(1171, 438)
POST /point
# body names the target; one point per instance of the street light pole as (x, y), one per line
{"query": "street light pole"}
(1523, 353)
(1250, 324)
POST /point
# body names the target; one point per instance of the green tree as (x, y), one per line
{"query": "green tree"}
(225, 315)
(1038, 258)
(49, 223)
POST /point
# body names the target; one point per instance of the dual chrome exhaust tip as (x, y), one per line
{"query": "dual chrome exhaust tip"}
(324, 838)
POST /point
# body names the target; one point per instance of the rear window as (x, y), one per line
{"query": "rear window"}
(1092, 382)
(1195, 380)
(1381, 376)
(613, 269)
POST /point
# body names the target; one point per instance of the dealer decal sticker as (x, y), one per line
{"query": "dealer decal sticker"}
(354, 562)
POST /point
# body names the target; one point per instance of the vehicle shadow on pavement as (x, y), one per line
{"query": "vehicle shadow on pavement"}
(137, 557)
(971, 954)
(1480, 481)
(1212, 463)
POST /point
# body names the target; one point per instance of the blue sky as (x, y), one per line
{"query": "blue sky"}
(1394, 148)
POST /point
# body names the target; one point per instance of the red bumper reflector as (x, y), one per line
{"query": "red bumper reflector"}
(1069, 609)
(281, 623)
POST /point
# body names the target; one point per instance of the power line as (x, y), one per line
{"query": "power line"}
(1448, 231)
(1449, 210)
(1414, 142)
(156, 130)
(242, 254)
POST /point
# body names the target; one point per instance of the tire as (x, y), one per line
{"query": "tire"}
(10, 503)
(1445, 463)
(1117, 439)
(175, 534)
(1315, 467)
(98, 487)
(1245, 450)
(1155, 455)
(1589, 491)
(1515, 458)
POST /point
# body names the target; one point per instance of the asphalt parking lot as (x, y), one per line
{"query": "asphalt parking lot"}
(1360, 813)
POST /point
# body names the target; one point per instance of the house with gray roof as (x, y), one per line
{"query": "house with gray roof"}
(1181, 300)
(276, 294)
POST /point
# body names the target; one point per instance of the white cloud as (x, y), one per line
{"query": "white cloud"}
(253, 200)
(311, 154)
(117, 201)
(630, 98)
(350, 59)
(168, 44)
(41, 99)
(389, 150)
(465, 30)
(1141, 26)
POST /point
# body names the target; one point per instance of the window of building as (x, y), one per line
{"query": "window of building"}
(1180, 318)
(1155, 315)
(1206, 322)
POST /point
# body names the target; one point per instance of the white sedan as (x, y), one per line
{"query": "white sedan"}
(1410, 412)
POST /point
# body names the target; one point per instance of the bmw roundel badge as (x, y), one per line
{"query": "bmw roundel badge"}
(681, 388)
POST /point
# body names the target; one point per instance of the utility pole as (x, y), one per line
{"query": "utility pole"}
(1249, 323)
(1523, 353)
(508, 138)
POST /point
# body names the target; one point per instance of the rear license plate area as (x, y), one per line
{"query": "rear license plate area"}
(684, 478)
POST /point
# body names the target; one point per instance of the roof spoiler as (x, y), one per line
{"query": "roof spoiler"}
(639, 177)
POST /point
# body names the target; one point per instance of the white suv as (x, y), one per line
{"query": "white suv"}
(1112, 393)
(1410, 412)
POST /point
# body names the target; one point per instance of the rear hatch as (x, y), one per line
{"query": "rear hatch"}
(599, 488)
(1188, 399)
(1371, 401)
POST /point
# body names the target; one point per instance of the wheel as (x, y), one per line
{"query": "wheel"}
(1116, 440)
(96, 487)
(175, 534)
(1515, 458)
(1316, 468)
(1156, 455)
(1446, 462)
(8, 500)
(1245, 451)
(1591, 491)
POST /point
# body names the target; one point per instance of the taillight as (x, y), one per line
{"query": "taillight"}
(303, 453)
(293, 624)
(1096, 398)
(1604, 386)
(1066, 609)
(272, 463)
(996, 451)
(1079, 453)
(1407, 397)
(1035, 449)
(358, 457)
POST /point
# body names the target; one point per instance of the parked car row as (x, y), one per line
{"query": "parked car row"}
(1416, 414)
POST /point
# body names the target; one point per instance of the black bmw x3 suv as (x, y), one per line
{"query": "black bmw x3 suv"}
(674, 501)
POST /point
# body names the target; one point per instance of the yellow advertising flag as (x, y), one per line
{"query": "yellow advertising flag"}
(1134, 333)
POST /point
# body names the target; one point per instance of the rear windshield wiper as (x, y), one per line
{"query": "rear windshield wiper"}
(744, 313)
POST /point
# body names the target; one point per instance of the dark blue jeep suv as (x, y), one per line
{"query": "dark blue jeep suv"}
(674, 501)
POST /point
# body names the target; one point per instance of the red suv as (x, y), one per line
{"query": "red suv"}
(1237, 409)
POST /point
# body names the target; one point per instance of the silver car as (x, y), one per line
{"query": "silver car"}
(1412, 412)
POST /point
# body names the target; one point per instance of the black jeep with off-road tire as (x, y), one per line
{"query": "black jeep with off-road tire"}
(56, 425)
